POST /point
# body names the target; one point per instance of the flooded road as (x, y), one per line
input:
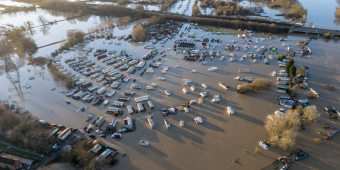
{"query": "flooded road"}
(221, 137)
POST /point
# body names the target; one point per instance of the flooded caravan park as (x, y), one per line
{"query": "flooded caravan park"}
(221, 137)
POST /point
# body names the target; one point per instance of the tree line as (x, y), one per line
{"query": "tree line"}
(236, 24)
(24, 130)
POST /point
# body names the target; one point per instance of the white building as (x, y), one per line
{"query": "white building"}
(64, 134)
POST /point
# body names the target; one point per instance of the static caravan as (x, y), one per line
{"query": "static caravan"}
(130, 109)
(150, 104)
(140, 107)
(244, 70)
(142, 98)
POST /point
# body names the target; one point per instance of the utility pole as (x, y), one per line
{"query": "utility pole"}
(12, 72)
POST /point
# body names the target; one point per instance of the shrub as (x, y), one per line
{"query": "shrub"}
(331, 88)
(281, 57)
(302, 86)
(257, 84)
(327, 35)
(292, 93)
(301, 71)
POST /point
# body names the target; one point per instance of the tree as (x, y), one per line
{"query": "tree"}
(310, 113)
(310, 24)
(337, 16)
(301, 71)
(292, 71)
(139, 7)
(283, 129)
(195, 10)
(138, 33)
(288, 65)
(304, 17)
(281, 57)
(327, 35)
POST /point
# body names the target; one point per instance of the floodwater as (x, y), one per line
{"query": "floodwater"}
(221, 137)
(12, 3)
(321, 14)
(182, 7)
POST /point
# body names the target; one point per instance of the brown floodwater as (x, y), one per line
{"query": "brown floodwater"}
(221, 137)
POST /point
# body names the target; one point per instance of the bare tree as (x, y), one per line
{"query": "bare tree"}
(42, 20)
(311, 113)
(138, 33)
(283, 129)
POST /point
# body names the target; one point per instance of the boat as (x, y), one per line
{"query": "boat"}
(89, 118)
(204, 85)
(177, 66)
(143, 143)
(154, 84)
(126, 79)
(81, 109)
(193, 71)
(149, 88)
(167, 92)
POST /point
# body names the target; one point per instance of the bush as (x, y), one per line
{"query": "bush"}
(292, 93)
(299, 109)
(327, 35)
(302, 86)
(281, 57)
(257, 84)
(301, 71)
(331, 88)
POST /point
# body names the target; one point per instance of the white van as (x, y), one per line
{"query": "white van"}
(230, 110)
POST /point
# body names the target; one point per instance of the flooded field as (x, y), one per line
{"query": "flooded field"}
(221, 137)
(321, 14)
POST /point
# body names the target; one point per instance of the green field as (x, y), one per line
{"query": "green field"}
(23, 153)
(2, 146)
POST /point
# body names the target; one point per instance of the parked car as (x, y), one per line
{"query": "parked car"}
(92, 136)
(103, 136)
(98, 131)
(301, 156)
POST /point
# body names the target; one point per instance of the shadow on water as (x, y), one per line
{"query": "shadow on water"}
(249, 118)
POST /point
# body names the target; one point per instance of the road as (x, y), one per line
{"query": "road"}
(69, 140)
